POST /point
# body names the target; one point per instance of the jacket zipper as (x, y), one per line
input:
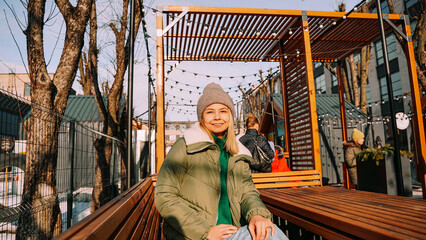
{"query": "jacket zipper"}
(220, 186)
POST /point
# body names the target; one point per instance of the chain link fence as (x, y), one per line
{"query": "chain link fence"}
(75, 163)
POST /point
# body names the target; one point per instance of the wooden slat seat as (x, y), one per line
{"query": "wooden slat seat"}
(287, 179)
(132, 215)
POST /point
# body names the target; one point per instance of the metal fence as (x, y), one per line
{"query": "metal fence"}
(75, 168)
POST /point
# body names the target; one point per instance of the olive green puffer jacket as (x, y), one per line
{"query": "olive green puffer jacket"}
(188, 187)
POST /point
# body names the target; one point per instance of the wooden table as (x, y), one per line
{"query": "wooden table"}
(338, 213)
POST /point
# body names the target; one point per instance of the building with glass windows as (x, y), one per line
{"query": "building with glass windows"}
(377, 90)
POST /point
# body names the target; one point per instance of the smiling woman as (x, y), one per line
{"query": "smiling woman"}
(216, 119)
(204, 188)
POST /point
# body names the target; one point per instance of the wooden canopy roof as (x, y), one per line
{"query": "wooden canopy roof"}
(239, 34)
(294, 38)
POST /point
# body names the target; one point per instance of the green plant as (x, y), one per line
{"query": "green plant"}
(377, 154)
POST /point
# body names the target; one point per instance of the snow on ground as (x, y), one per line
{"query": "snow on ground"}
(80, 210)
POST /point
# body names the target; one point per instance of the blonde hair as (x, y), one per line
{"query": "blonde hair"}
(251, 120)
(231, 144)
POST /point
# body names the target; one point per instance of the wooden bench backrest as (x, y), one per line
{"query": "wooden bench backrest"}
(132, 215)
(287, 179)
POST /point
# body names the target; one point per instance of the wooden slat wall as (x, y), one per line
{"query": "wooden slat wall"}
(301, 147)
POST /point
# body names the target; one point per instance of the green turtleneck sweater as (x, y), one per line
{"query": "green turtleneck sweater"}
(224, 210)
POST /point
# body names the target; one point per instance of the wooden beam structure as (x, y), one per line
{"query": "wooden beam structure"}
(314, 132)
(160, 125)
(284, 99)
(418, 124)
(291, 37)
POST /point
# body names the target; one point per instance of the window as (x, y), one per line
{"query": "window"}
(320, 84)
(392, 53)
(409, 3)
(27, 89)
(384, 5)
(396, 86)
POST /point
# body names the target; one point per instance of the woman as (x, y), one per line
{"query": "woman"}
(352, 148)
(204, 188)
(280, 163)
(252, 137)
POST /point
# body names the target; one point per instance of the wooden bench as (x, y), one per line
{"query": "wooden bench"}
(132, 215)
(339, 213)
(287, 179)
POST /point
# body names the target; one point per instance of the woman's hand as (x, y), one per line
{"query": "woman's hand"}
(261, 228)
(221, 231)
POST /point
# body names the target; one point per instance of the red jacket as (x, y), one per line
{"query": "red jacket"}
(279, 164)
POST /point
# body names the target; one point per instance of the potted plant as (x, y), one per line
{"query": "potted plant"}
(376, 171)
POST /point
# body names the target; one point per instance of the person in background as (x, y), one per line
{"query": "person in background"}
(204, 188)
(252, 136)
(279, 164)
(352, 148)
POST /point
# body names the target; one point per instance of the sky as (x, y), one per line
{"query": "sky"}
(185, 82)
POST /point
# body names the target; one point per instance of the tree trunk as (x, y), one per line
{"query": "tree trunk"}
(363, 71)
(346, 84)
(43, 220)
(49, 97)
(85, 78)
(365, 61)
(354, 80)
(102, 188)
(419, 36)
(110, 112)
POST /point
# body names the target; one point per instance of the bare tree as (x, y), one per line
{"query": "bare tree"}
(356, 86)
(43, 218)
(257, 97)
(110, 106)
(85, 73)
(419, 36)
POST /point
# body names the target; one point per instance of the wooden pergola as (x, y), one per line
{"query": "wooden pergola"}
(293, 38)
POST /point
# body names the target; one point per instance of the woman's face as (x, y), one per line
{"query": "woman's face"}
(360, 142)
(216, 118)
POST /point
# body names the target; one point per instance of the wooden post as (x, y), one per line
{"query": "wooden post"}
(346, 179)
(342, 103)
(418, 125)
(311, 94)
(160, 137)
(284, 99)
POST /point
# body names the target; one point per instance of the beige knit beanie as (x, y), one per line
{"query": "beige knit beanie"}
(357, 135)
(213, 93)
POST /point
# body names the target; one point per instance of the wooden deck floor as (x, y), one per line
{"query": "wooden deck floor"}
(338, 213)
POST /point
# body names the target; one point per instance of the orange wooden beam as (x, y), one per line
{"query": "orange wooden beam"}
(284, 99)
(277, 12)
(311, 95)
(342, 104)
(160, 136)
(418, 124)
